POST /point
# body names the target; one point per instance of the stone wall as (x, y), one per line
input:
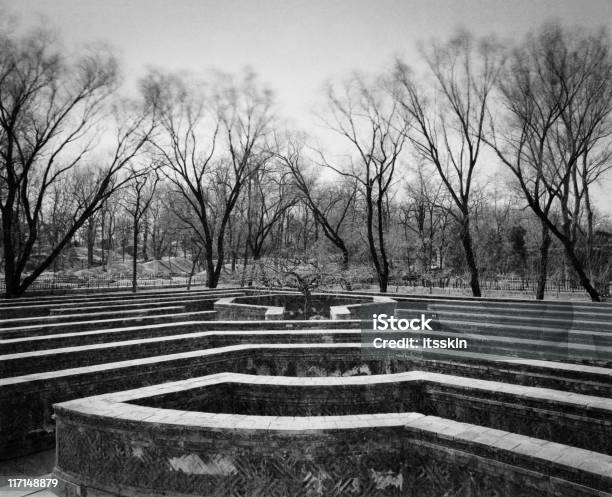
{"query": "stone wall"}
(290, 306)
(106, 444)
(364, 310)
(33, 395)
(229, 309)
(579, 420)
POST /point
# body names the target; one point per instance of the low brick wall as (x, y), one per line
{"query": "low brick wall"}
(185, 337)
(364, 310)
(33, 395)
(107, 444)
(579, 420)
(290, 306)
(181, 337)
(88, 310)
(94, 315)
(552, 318)
(227, 309)
(37, 332)
(43, 306)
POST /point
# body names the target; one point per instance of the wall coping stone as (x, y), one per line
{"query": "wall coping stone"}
(576, 349)
(555, 367)
(591, 403)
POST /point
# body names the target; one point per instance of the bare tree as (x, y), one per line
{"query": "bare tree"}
(194, 124)
(49, 106)
(558, 96)
(108, 224)
(268, 194)
(81, 185)
(425, 214)
(303, 274)
(450, 124)
(139, 194)
(163, 221)
(329, 205)
(365, 115)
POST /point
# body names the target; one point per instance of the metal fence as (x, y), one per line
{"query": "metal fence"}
(503, 284)
(125, 281)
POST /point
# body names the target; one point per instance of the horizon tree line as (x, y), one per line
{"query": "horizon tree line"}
(209, 162)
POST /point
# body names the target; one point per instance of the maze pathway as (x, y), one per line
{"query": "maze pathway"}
(529, 404)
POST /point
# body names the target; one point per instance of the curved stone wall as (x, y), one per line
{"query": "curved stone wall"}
(284, 305)
(113, 443)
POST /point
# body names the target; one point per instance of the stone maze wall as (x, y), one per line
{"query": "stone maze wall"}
(372, 454)
(516, 409)
(289, 306)
(167, 393)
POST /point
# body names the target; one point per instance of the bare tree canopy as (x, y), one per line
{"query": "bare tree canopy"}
(425, 213)
(364, 114)
(557, 93)
(450, 122)
(329, 204)
(139, 194)
(49, 107)
(211, 141)
(479, 164)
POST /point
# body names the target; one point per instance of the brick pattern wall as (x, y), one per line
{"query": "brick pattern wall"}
(384, 455)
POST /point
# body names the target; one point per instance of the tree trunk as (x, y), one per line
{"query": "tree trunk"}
(91, 240)
(245, 262)
(135, 257)
(544, 249)
(102, 228)
(383, 283)
(193, 266)
(11, 277)
(384, 276)
(579, 268)
(307, 301)
(345, 259)
(589, 235)
(470, 259)
(145, 233)
(212, 278)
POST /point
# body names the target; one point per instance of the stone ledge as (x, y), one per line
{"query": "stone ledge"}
(264, 436)
(34, 393)
(594, 407)
(339, 312)
(274, 313)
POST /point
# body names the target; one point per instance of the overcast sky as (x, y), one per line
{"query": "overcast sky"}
(293, 45)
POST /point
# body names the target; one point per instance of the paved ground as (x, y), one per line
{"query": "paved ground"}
(33, 466)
